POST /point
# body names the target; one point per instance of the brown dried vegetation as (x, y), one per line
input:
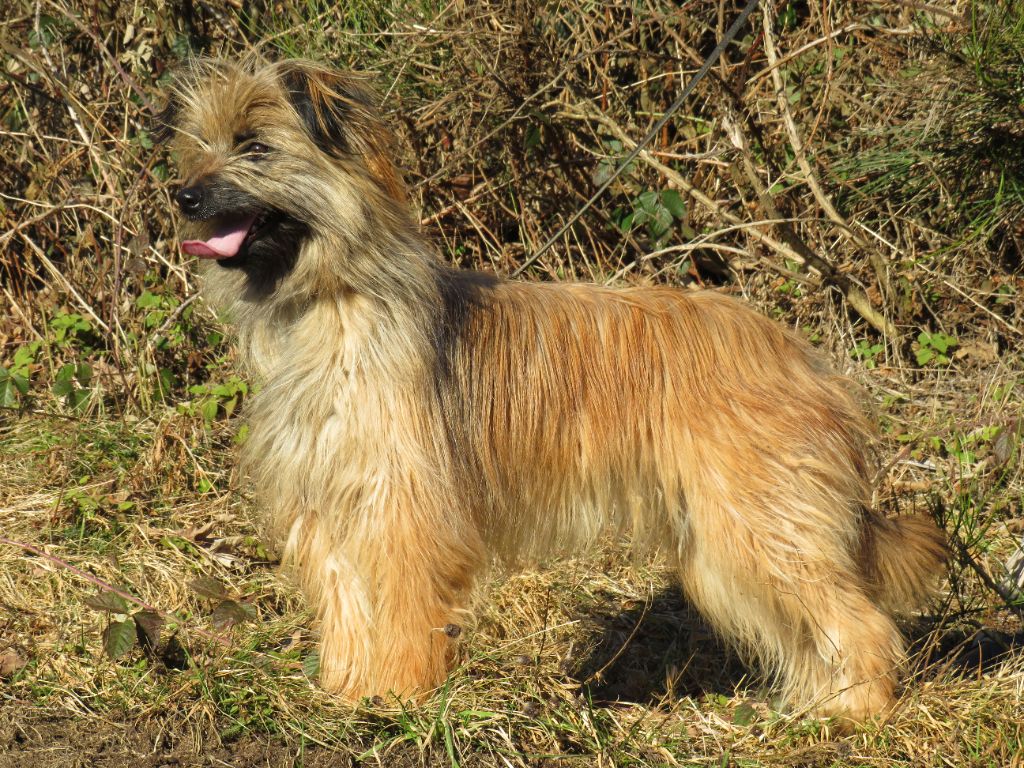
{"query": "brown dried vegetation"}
(856, 170)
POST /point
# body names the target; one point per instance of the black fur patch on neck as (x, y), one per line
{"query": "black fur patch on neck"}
(461, 292)
(267, 260)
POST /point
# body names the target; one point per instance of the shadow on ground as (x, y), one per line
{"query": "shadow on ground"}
(963, 651)
(657, 650)
(664, 649)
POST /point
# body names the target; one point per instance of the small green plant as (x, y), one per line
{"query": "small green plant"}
(15, 379)
(71, 330)
(656, 211)
(932, 348)
(91, 516)
(157, 309)
(790, 287)
(967, 447)
(64, 384)
(123, 629)
(226, 611)
(866, 352)
(214, 399)
(607, 166)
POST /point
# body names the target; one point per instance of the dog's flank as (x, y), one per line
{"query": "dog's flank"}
(415, 420)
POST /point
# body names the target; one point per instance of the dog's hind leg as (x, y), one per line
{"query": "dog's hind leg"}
(808, 620)
(771, 561)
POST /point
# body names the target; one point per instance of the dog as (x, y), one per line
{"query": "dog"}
(416, 421)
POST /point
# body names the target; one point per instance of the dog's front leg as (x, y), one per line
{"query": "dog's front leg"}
(389, 591)
(425, 558)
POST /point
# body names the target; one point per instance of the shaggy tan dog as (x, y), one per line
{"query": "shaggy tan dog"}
(416, 420)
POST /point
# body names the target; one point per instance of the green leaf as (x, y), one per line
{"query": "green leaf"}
(674, 203)
(745, 714)
(7, 398)
(107, 601)
(648, 202)
(532, 137)
(24, 357)
(311, 665)
(79, 398)
(603, 172)
(942, 342)
(83, 372)
(20, 383)
(924, 356)
(64, 377)
(46, 32)
(167, 380)
(118, 638)
(209, 409)
(660, 222)
(148, 300)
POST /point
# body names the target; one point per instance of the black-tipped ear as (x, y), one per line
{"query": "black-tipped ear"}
(333, 107)
(162, 124)
(339, 113)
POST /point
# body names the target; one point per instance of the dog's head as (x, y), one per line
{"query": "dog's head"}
(270, 155)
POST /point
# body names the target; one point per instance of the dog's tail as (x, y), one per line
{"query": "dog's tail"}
(903, 559)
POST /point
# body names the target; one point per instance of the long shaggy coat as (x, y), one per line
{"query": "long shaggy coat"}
(415, 421)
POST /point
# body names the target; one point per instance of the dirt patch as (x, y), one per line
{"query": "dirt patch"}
(46, 739)
(32, 736)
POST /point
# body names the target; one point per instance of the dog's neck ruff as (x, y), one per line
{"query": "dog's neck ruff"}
(383, 298)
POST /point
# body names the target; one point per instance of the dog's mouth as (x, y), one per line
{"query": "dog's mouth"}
(233, 235)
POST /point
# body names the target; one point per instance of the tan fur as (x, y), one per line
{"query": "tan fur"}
(415, 421)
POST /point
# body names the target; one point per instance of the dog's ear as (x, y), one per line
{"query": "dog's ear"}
(162, 123)
(339, 113)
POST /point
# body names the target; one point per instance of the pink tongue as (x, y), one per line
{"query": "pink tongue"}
(224, 244)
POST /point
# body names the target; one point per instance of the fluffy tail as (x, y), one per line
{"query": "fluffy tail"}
(903, 559)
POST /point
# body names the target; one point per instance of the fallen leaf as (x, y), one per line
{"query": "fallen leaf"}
(10, 662)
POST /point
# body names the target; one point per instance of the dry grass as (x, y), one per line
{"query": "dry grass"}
(884, 191)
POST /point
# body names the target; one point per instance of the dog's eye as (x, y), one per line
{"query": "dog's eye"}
(256, 149)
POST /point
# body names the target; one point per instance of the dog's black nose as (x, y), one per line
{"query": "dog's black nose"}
(190, 198)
